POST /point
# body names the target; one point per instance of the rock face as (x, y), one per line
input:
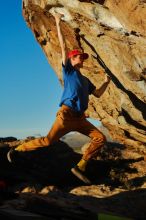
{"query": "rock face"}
(113, 33)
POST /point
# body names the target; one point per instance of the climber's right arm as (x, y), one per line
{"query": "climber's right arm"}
(61, 37)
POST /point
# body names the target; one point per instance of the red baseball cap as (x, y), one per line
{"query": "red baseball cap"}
(77, 52)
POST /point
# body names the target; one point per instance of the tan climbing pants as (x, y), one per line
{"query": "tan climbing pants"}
(66, 121)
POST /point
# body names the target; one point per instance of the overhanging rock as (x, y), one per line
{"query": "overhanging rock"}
(113, 33)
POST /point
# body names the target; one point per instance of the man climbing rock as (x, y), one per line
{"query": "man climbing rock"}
(74, 102)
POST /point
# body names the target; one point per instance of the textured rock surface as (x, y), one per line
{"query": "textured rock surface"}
(40, 183)
(113, 33)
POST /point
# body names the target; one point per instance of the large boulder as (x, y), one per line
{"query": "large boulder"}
(113, 33)
(40, 182)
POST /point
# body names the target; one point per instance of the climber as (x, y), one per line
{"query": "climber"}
(74, 102)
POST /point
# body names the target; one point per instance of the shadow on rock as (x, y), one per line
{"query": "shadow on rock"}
(61, 205)
(51, 165)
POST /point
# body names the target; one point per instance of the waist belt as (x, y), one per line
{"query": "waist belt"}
(65, 107)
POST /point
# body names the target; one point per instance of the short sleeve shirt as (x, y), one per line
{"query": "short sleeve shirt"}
(77, 88)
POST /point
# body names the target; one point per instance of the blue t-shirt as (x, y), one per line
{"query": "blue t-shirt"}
(76, 88)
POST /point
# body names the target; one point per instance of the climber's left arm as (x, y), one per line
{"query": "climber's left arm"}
(101, 90)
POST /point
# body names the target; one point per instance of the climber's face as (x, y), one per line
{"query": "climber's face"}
(77, 61)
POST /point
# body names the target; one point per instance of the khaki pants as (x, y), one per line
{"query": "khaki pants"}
(67, 120)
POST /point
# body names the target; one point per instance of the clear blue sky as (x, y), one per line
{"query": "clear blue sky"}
(29, 89)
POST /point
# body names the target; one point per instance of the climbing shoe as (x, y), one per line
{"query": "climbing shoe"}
(11, 154)
(80, 175)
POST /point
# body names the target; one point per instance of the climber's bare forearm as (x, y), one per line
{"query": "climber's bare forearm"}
(101, 90)
(61, 41)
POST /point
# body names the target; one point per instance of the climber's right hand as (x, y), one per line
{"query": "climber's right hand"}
(58, 16)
